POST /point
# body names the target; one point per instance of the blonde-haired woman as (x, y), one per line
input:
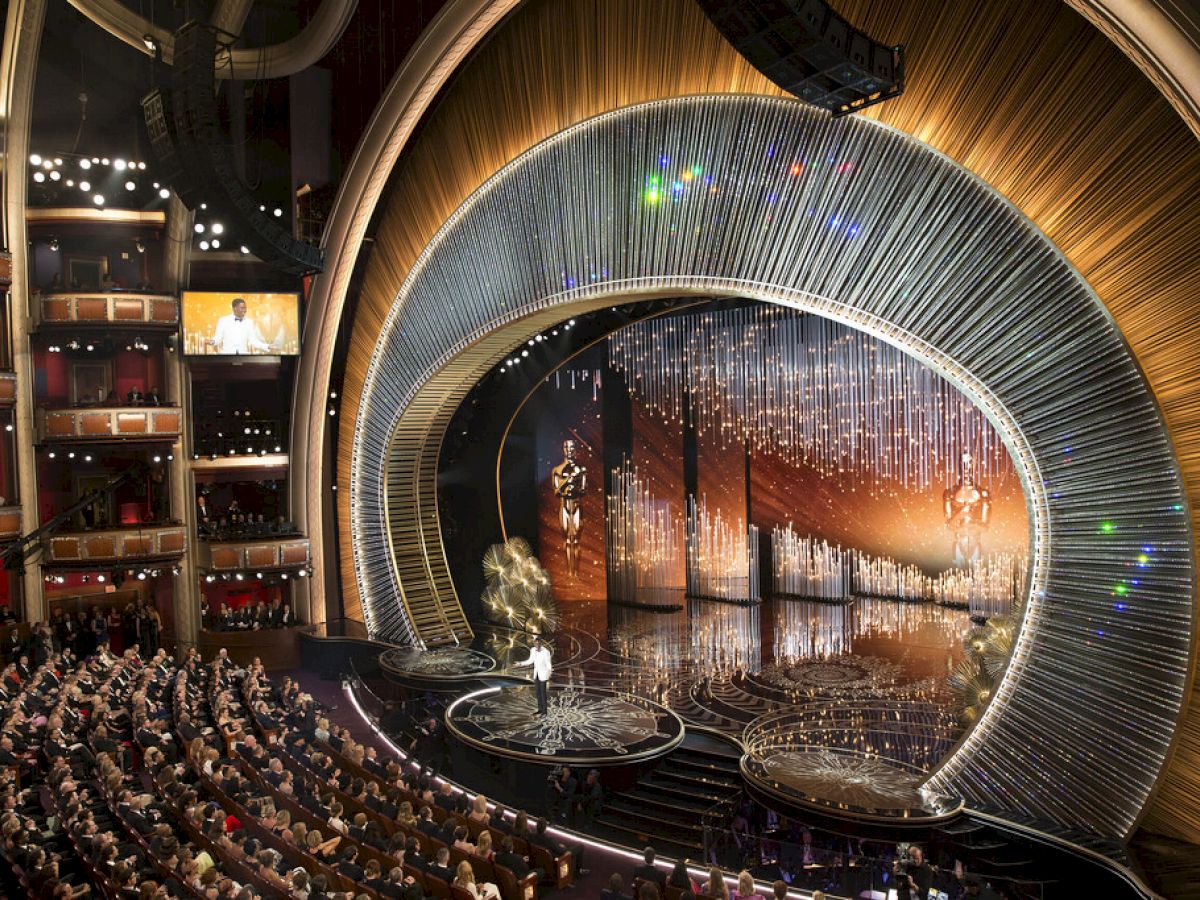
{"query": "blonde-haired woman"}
(745, 888)
(483, 845)
(479, 810)
(464, 877)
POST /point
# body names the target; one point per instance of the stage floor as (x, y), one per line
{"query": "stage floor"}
(782, 680)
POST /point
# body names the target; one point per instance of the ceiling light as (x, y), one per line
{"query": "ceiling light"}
(47, 164)
(129, 185)
(104, 160)
(204, 206)
(55, 175)
(98, 199)
(278, 212)
(216, 245)
(119, 165)
(58, 160)
(218, 228)
(85, 186)
(39, 177)
(204, 245)
(141, 167)
(164, 193)
(245, 249)
(34, 159)
(70, 182)
(199, 228)
(85, 164)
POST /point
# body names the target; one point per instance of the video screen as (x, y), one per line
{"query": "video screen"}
(230, 323)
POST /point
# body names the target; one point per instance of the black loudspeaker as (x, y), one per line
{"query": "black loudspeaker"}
(810, 51)
(197, 156)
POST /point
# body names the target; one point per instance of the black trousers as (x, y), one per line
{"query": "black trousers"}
(541, 694)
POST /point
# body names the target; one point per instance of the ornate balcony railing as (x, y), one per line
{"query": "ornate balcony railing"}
(271, 553)
(110, 423)
(10, 522)
(108, 546)
(108, 309)
(8, 388)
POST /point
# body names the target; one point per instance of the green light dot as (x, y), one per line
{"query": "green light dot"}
(1122, 589)
(1107, 527)
(697, 171)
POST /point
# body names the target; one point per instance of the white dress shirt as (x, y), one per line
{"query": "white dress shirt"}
(540, 660)
(236, 335)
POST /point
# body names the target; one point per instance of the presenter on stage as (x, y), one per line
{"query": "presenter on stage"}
(237, 333)
(539, 658)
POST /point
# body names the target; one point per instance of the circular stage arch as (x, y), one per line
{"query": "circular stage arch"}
(854, 221)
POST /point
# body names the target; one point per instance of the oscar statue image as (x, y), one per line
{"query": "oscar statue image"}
(570, 481)
(966, 507)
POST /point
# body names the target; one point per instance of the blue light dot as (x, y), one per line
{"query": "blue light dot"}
(1120, 607)
(852, 231)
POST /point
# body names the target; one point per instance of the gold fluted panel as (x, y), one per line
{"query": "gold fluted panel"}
(1027, 95)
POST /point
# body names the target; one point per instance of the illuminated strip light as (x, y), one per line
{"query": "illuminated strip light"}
(559, 833)
(942, 267)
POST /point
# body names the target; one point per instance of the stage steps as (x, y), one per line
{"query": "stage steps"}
(667, 807)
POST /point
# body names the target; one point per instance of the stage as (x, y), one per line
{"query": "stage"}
(842, 709)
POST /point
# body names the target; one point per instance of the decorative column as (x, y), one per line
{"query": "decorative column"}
(186, 585)
(18, 69)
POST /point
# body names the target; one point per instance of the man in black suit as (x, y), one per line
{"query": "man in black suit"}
(425, 822)
(513, 861)
(542, 838)
(413, 856)
(349, 864)
(650, 872)
(441, 866)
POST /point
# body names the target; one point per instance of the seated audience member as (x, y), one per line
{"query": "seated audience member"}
(514, 862)
(647, 871)
(440, 868)
(680, 878)
(615, 889)
(780, 889)
(649, 891)
(464, 878)
(461, 842)
(745, 888)
(479, 810)
(715, 886)
(542, 838)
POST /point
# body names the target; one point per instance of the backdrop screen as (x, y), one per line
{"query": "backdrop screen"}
(227, 323)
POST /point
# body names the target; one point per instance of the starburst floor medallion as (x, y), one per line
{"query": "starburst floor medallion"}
(852, 782)
(449, 662)
(582, 724)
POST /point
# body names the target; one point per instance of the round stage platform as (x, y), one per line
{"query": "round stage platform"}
(849, 783)
(451, 663)
(583, 725)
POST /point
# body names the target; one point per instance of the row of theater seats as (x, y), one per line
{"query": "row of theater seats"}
(129, 778)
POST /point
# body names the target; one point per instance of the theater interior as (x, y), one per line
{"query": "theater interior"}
(624, 449)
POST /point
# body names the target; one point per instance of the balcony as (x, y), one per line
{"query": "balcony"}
(160, 424)
(10, 522)
(8, 388)
(269, 553)
(114, 309)
(115, 546)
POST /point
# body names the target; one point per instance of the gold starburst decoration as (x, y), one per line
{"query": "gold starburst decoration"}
(518, 591)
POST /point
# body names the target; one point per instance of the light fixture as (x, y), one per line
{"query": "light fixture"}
(98, 199)
(55, 175)
(34, 159)
(119, 165)
(54, 244)
(218, 228)
(151, 44)
(198, 228)
(39, 177)
(85, 164)
(245, 249)
(85, 186)
(101, 578)
(140, 245)
(278, 212)
(164, 193)
(204, 245)
(58, 160)
(216, 245)
(129, 185)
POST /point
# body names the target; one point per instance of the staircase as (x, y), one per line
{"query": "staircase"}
(667, 807)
